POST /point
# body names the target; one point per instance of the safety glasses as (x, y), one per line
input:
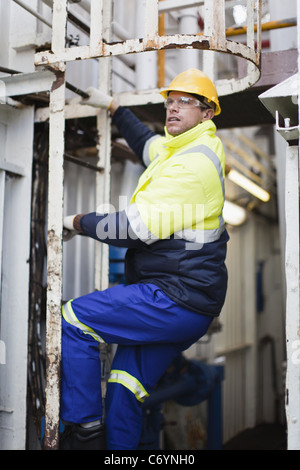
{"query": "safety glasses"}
(184, 102)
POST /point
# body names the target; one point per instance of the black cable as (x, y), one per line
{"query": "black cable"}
(37, 292)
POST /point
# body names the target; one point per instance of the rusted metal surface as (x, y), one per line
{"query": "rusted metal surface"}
(159, 43)
(154, 43)
(54, 272)
(216, 40)
(55, 230)
(54, 263)
(54, 254)
(53, 346)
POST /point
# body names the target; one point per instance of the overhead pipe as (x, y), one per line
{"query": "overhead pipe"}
(268, 26)
(146, 64)
(68, 85)
(32, 12)
(188, 24)
(161, 57)
(83, 3)
(71, 17)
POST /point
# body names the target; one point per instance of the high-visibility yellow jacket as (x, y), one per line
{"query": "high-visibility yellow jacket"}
(173, 227)
(183, 186)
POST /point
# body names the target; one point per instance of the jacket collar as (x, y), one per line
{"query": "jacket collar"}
(190, 135)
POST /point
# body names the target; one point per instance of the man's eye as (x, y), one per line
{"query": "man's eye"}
(184, 101)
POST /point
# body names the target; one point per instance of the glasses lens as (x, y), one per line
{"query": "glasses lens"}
(185, 102)
(182, 102)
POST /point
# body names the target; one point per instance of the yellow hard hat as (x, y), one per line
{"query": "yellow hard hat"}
(196, 82)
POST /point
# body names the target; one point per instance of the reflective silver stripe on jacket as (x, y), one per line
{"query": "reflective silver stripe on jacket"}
(123, 378)
(213, 157)
(71, 318)
(213, 234)
(198, 237)
(146, 158)
(139, 230)
(137, 227)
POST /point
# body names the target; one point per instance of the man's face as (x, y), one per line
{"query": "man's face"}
(179, 120)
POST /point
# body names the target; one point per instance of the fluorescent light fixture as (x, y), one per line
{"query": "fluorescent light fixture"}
(248, 185)
(234, 214)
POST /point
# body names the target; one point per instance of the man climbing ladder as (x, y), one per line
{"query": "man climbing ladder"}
(176, 278)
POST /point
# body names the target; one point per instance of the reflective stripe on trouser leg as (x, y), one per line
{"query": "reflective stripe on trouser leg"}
(127, 390)
(70, 317)
(123, 378)
(81, 399)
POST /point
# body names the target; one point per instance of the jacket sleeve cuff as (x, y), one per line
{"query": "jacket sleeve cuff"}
(76, 222)
(113, 229)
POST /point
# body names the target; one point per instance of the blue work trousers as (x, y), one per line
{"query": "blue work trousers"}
(150, 330)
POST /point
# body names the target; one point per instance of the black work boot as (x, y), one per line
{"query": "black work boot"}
(76, 437)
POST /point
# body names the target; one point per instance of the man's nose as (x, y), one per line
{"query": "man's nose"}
(173, 106)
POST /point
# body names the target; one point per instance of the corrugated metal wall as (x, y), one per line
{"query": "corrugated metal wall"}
(78, 253)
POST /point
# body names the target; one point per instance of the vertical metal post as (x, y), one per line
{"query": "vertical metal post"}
(250, 328)
(2, 196)
(101, 269)
(292, 269)
(54, 262)
(188, 23)
(292, 305)
(146, 27)
(214, 25)
(96, 27)
(251, 20)
(55, 226)
(104, 153)
(161, 55)
(151, 16)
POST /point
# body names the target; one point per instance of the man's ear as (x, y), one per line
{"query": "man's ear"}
(209, 114)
